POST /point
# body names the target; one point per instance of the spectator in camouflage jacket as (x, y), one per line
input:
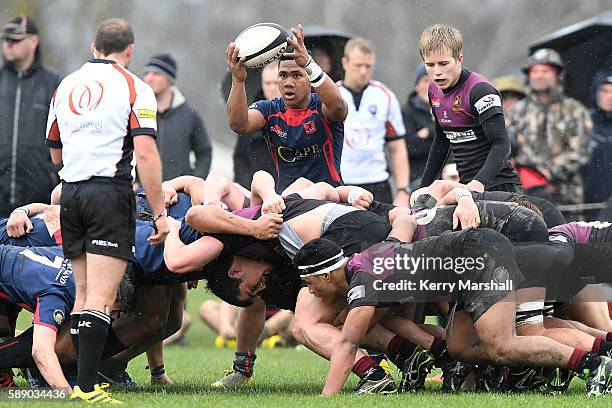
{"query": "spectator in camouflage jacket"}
(552, 132)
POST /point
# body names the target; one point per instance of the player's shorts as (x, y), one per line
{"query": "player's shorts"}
(98, 216)
(500, 267)
(357, 230)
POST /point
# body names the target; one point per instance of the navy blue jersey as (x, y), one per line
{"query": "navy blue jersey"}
(303, 143)
(38, 280)
(177, 210)
(149, 257)
(39, 236)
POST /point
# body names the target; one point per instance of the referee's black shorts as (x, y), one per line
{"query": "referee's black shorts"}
(98, 216)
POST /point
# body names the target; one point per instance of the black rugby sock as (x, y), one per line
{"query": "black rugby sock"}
(74, 331)
(244, 363)
(93, 328)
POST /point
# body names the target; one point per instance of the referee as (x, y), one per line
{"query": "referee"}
(99, 116)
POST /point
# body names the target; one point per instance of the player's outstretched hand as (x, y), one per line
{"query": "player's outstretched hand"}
(161, 230)
(275, 205)
(268, 226)
(18, 224)
(235, 64)
(466, 214)
(299, 54)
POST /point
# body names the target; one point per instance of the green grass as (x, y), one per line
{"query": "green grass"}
(287, 378)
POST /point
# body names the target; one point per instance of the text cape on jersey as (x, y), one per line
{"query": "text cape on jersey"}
(460, 112)
(93, 116)
(377, 120)
(302, 142)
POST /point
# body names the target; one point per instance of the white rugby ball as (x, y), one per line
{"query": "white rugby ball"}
(261, 44)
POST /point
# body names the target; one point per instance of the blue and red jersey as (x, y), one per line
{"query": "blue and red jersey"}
(303, 143)
(38, 280)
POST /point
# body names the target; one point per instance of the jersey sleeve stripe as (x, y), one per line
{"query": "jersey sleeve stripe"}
(134, 124)
(391, 132)
(54, 133)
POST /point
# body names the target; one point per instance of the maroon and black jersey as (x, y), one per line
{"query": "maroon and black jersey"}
(460, 113)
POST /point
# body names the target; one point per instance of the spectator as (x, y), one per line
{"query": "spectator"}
(512, 90)
(552, 132)
(251, 153)
(180, 127)
(26, 85)
(420, 127)
(373, 122)
(598, 173)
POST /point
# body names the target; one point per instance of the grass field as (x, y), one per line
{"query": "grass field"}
(286, 378)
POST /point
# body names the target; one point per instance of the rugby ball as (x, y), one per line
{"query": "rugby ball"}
(261, 44)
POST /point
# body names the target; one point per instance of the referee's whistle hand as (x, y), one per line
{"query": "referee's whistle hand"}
(160, 232)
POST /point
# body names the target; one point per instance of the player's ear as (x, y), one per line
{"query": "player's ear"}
(233, 272)
(344, 62)
(460, 58)
(129, 51)
(92, 48)
(327, 277)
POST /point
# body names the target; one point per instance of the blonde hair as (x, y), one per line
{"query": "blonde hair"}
(439, 37)
(362, 44)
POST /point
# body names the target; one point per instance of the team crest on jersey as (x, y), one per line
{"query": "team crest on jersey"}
(435, 103)
(309, 127)
(279, 132)
(373, 109)
(457, 105)
(58, 316)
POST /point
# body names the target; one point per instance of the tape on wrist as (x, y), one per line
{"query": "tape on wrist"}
(315, 73)
(354, 194)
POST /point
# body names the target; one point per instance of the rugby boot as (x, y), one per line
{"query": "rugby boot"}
(558, 381)
(599, 381)
(98, 396)
(117, 377)
(520, 379)
(376, 381)
(491, 378)
(454, 374)
(415, 370)
(232, 379)
(35, 378)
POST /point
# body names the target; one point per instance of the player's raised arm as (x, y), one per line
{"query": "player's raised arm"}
(334, 106)
(242, 120)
